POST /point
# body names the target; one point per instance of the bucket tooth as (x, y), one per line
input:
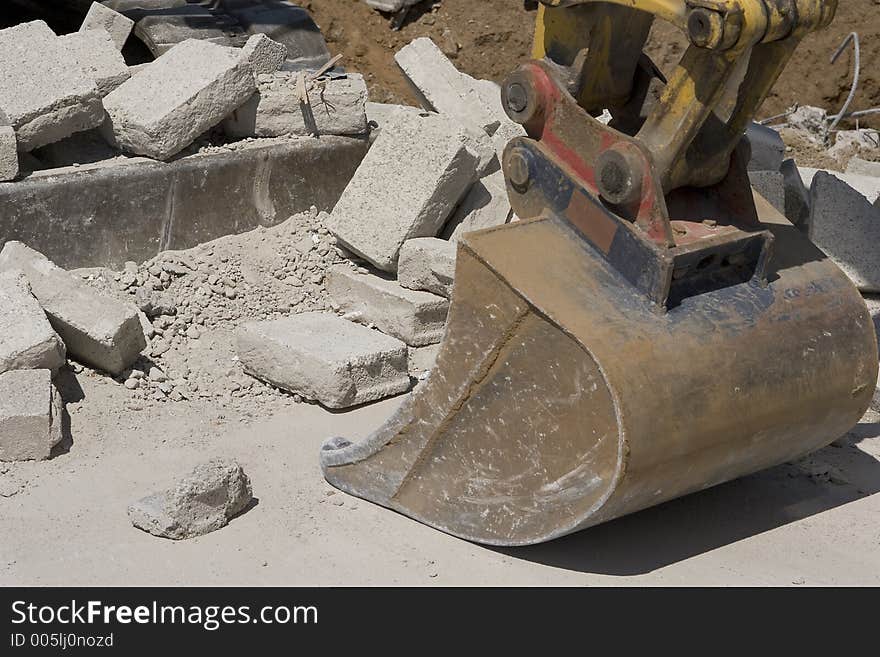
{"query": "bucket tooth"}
(563, 398)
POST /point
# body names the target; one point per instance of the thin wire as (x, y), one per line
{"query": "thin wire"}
(854, 37)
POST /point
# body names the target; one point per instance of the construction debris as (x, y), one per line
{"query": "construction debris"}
(101, 17)
(263, 55)
(442, 88)
(202, 502)
(8, 152)
(97, 330)
(428, 264)
(96, 55)
(336, 107)
(845, 224)
(417, 318)
(323, 357)
(162, 109)
(391, 6)
(30, 415)
(766, 147)
(486, 205)
(43, 97)
(407, 186)
(27, 340)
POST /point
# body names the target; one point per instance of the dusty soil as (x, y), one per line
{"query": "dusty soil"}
(815, 522)
(488, 38)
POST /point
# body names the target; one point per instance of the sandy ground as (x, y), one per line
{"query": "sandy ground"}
(64, 521)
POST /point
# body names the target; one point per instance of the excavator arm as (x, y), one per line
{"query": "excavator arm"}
(648, 328)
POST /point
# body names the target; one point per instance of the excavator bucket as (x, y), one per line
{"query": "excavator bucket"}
(649, 329)
(561, 398)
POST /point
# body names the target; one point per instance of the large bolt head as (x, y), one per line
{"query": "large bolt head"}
(619, 176)
(518, 168)
(517, 97)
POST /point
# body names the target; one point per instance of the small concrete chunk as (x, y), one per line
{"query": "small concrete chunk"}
(391, 6)
(8, 153)
(407, 186)
(163, 108)
(767, 148)
(486, 205)
(30, 415)
(846, 226)
(441, 87)
(336, 107)
(27, 340)
(97, 330)
(43, 96)
(202, 502)
(324, 357)
(96, 55)
(770, 185)
(852, 142)
(427, 263)
(117, 26)
(263, 55)
(417, 318)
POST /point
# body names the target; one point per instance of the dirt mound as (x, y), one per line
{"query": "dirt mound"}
(487, 39)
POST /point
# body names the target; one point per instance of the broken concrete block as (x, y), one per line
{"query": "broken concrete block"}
(770, 185)
(862, 167)
(380, 113)
(288, 24)
(846, 226)
(336, 107)
(44, 98)
(30, 415)
(8, 153)
(867, 186)
(507, 129)
(27, 340)
(202, 502)
(163, 108)
(427, 263)
(96, 55)
(486, 205)
(391, 6)
(813, 121)
(441, 87)
(422, 360)
(325, 358)
(115, 24)
(407, 186)
(97, 330)
(475, 140)
(852, 142)
(417, 318)
(767, 148)
(263, 55)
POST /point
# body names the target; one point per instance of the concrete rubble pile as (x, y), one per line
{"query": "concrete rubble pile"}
(210, 91)
(432, 174)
